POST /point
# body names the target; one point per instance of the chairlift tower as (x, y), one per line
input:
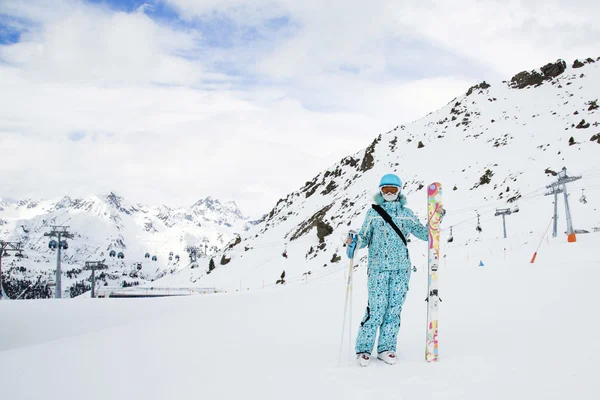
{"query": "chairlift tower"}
(205, 241)
(59, 232)
(560, 186)
(5, 248)
(504, 212)
(94, 266)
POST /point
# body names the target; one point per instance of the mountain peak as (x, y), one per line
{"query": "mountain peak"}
(209, 205)
(208, 202)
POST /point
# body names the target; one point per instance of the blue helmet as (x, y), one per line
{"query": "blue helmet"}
(390, 180)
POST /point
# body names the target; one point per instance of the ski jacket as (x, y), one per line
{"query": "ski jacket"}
(387, 252)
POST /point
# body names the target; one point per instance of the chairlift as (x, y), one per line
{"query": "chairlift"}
(147, 255)
(112, 253)
(582, 199)
(64, 245)
(170, 258)
(450, 238)
(478, 227)
(135, 270)
(53, 244)
(171, 254)
(154, 258)
(177, 257)
(285, 254)
(121, 255)
(516, 209)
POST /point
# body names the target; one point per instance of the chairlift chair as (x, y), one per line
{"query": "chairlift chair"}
(135, 270)
(154, 258)
(53, 244)
(285, 254)
(147, 255)
(64, 245)
(450, 238)
(112, 253)
(121, 255)
(582, 199)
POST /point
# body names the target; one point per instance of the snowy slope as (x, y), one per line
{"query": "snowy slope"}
(108, 222)
(497, 146)
(509, 329)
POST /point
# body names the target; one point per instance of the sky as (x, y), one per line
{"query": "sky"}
(170, 101)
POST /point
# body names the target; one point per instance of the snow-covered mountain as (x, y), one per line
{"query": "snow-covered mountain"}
(103, 223)
(497, 146)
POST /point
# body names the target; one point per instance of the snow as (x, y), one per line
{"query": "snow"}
(508, 329)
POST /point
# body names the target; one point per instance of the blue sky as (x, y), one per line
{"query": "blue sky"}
(11, 29)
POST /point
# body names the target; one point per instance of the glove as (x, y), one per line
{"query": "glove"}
(351, 247)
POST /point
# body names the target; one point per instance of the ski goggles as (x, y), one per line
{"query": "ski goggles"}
(389, 189)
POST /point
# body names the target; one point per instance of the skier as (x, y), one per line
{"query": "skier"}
(389, 269)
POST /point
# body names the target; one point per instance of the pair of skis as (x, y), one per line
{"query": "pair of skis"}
(435, 212)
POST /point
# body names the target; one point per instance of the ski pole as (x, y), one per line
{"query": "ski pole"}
(345, 311)
(346, 301)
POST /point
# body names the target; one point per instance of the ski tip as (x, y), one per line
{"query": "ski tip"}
(434, 188)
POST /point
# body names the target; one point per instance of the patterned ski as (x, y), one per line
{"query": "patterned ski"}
(434, 207)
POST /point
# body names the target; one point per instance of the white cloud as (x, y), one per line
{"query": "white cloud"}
(160, 117)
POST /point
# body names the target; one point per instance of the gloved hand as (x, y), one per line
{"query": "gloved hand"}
(351, 247)
(442, 213)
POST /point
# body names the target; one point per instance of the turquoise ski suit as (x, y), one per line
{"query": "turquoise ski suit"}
(388, 272)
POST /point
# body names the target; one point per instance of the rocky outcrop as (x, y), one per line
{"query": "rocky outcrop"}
(317, 220)
(534, 78)
(480, 86)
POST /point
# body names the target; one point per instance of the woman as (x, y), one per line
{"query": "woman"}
(389, 269)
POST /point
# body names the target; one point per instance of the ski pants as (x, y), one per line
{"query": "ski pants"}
(387, 292)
